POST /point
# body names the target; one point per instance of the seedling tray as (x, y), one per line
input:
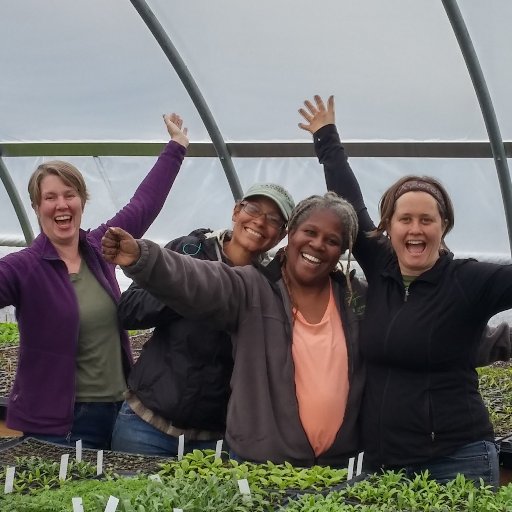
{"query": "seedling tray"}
(117, 462)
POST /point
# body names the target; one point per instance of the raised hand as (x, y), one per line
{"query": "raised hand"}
(174, 125)
(119, 247)
(317, 115)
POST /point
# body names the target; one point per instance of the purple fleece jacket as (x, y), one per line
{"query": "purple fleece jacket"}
(36, 281)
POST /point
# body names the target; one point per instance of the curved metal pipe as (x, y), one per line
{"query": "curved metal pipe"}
(16, 202)
(486, 106)
(193, 90)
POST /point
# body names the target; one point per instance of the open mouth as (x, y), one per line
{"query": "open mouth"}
(63, 220)
(253, 233)
(415, 246)
(312, 260)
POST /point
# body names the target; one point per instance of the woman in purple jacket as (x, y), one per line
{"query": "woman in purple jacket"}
(73, 355)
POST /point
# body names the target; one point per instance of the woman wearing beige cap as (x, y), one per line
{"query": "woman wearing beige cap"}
(180, 383)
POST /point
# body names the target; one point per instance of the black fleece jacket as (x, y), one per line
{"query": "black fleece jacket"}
(183, 371)
(421, 399)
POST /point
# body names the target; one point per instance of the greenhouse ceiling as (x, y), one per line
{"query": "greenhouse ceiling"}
(418, 90)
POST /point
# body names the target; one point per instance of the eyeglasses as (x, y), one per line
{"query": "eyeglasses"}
(252, 209)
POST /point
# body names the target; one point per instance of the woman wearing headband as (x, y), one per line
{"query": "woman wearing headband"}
(424, 319)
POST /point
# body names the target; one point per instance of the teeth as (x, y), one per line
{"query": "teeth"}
(63, 217)
(311, 258)
(255, 233)
(414, 242)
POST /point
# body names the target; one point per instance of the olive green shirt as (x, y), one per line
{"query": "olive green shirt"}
(99, 370)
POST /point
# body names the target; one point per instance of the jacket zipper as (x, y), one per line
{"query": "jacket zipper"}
(406, 295)
(431, 419)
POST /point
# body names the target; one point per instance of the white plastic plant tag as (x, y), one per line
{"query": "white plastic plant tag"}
(359, 466)
(243, 486)
(63, 471)
(177, 510)
(9, 479)
(350, 468)
(99, 462)
(78, 506)
(78, 456)
(155, 478)
(218, 449)
(181, 446)
(112, 504)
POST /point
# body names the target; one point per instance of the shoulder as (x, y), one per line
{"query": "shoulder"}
(196, 244)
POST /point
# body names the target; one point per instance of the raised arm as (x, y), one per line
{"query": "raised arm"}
(207, 290)
(150, 195)
(339, 177)
(138, 309)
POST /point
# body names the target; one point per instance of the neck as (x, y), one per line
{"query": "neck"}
(238, 255)
(70, 255)
(310, 300)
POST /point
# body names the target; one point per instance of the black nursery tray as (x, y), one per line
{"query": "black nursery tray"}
(117, 462)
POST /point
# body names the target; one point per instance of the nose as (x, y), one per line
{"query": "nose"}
(317, 243)
(61, 202)
(415, 226)
(261, 219)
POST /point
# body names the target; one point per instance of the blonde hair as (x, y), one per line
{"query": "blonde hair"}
(67, 172)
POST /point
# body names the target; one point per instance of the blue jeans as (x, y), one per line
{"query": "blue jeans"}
(134, 435)
(93, 423)
(475, 460)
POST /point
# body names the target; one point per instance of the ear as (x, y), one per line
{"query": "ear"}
(36, 209)
(236, 211)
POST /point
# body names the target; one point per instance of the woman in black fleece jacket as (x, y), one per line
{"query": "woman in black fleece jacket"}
(424, 319)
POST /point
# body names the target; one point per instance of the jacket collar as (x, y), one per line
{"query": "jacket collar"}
(432, 275)
(47, 250)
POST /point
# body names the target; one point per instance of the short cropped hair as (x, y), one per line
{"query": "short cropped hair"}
(67, 172)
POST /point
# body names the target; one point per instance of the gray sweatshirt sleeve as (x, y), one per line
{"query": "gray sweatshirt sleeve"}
(206, 290)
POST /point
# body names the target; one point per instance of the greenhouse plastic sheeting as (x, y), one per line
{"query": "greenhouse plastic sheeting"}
(90, 70)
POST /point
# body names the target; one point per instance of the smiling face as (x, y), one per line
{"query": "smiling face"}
(416, 230)
(314, 248)
(254, 233)
(59, 211)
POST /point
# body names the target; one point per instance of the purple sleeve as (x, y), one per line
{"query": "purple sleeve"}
(150, 196)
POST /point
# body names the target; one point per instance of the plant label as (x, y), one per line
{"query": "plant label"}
(243, 486)
(350, 468)
(155, 478)
(359, 466)
(9, 479)
(63, 471)
(78, 455)
(99, 462)
(218, 449)
(177, 510)
(112, 504)
(181, 446)
(78, 506)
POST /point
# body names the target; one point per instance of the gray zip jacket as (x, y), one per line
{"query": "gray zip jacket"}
(252, 304)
